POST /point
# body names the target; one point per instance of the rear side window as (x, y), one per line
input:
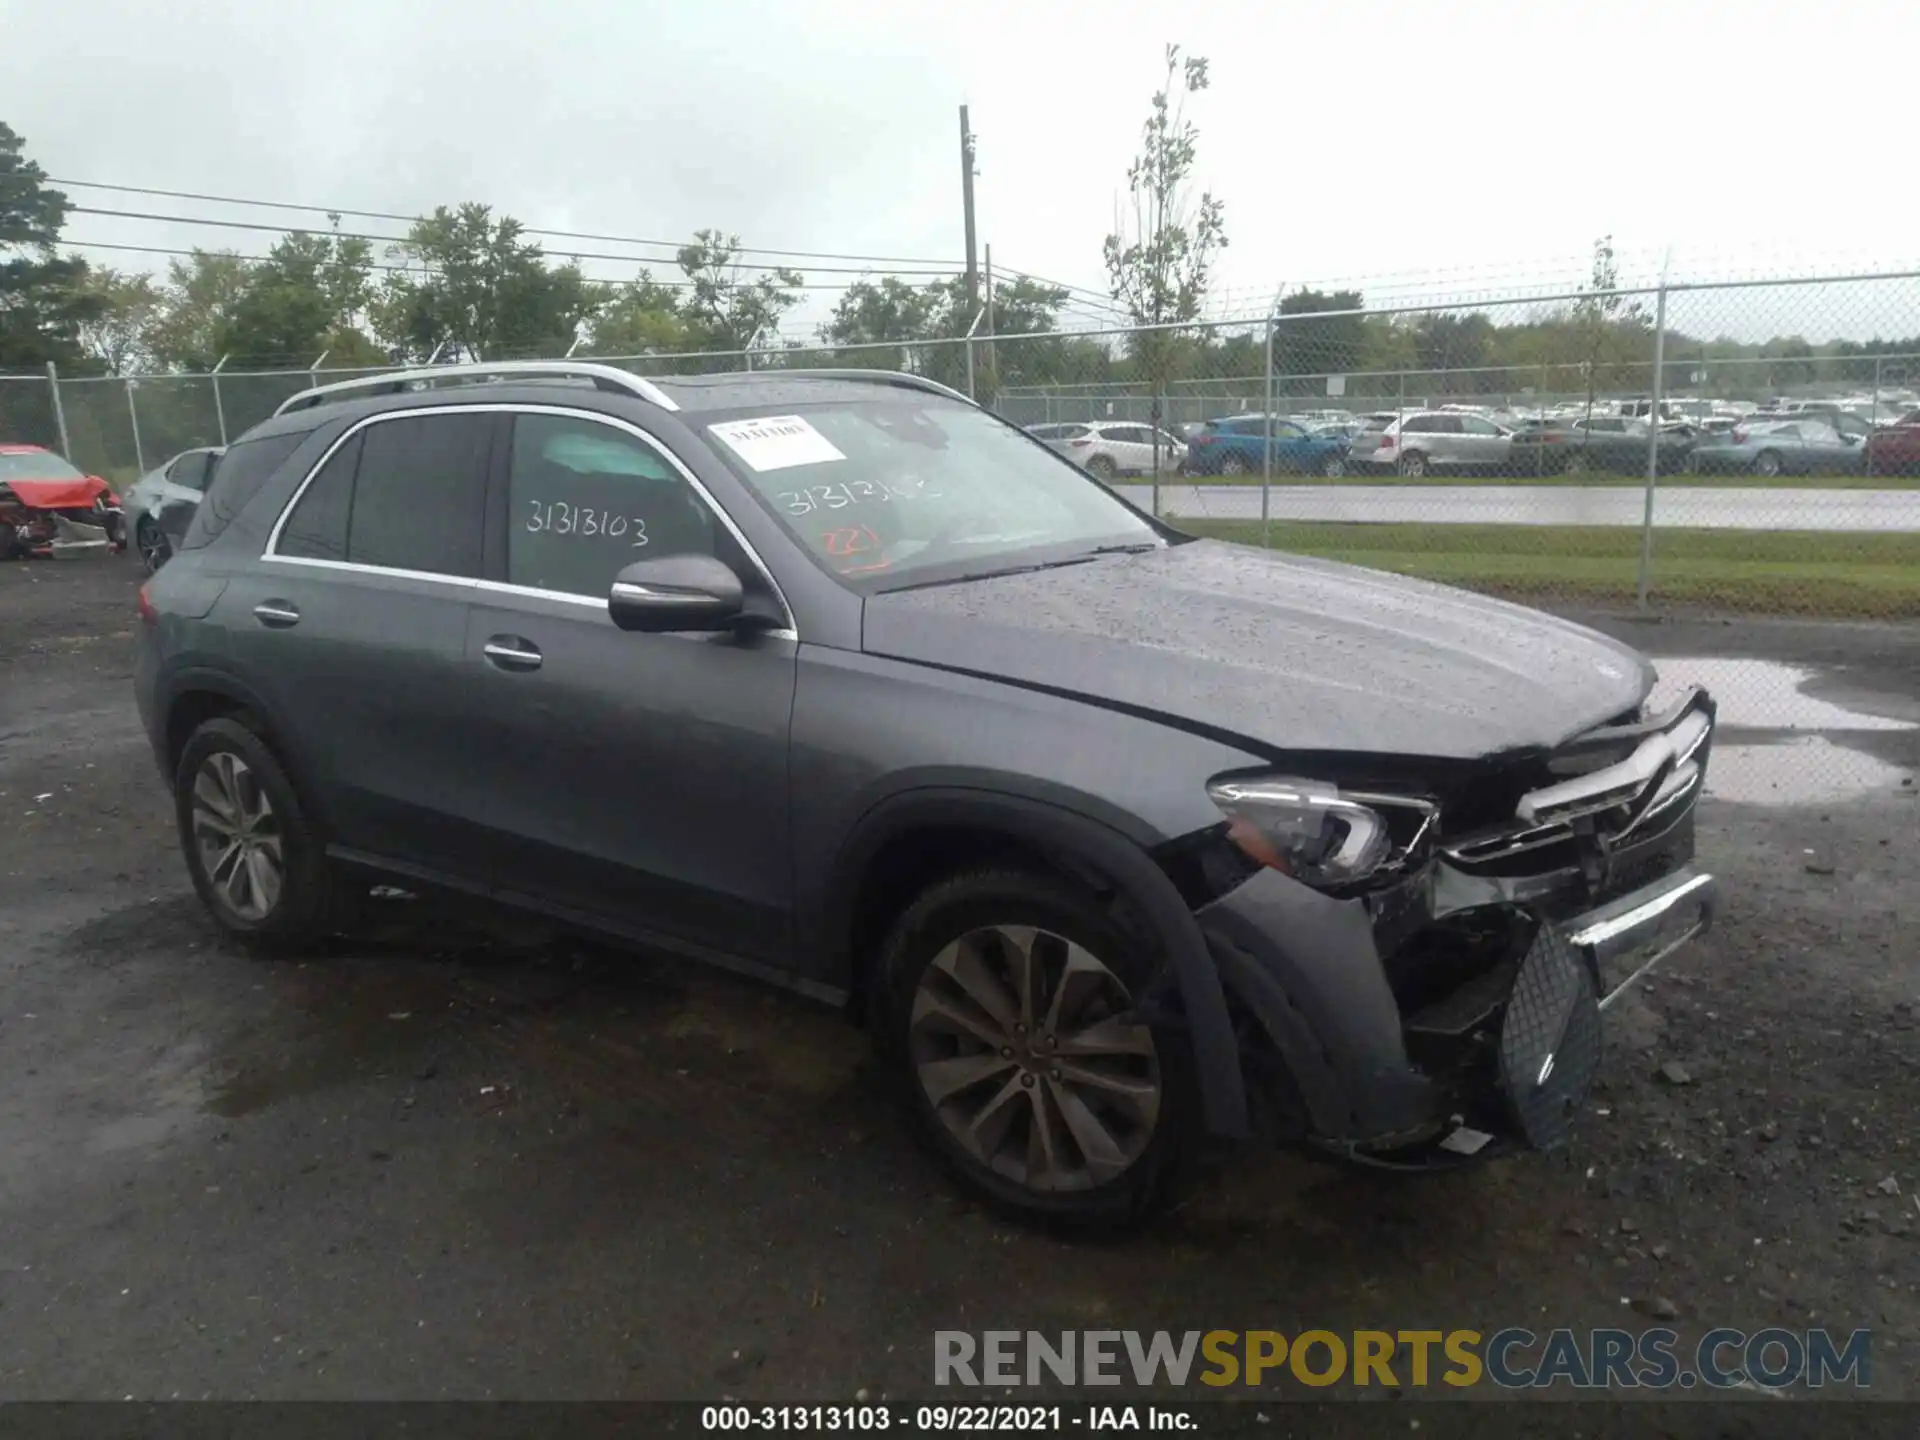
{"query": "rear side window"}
(317, 528)
(192, 469)
(403, 494)
(586, 500)
(420, 494)
(237, 478)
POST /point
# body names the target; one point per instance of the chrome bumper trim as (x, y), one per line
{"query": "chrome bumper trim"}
(1660, 918)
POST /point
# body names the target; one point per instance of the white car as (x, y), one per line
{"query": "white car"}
(1110, 448)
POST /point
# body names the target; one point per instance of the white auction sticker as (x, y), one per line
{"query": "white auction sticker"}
(776, 442)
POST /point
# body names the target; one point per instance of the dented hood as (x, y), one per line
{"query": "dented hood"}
(1289, 652)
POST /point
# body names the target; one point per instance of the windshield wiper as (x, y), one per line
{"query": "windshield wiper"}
(1084, 558)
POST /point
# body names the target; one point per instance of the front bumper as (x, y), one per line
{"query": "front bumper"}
(1460, 1013)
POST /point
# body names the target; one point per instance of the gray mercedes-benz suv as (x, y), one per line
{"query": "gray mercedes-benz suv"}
(1118, 840)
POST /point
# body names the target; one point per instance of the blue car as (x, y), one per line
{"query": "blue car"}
(1231, 446)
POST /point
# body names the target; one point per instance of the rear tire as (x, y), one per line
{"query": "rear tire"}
(255, 856)
(1057, 1110)
(1413, 465)
(1233, 466)
(1334, 467)
(1768, 463)
(154, 547)
(1102, 468)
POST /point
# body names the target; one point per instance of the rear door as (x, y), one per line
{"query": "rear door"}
(640, 780)
(1483, 444)
(183, 483)
(1131, 447)
(355, 620)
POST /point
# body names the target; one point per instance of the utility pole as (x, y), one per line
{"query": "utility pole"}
(966, 204)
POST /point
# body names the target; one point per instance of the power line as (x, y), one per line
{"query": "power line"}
(402, 240)
(674, 245)
(394, 269)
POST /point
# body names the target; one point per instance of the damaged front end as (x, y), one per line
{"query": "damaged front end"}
(59, 519)
(1449, 1004)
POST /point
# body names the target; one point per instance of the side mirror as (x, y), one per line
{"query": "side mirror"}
(676, 593)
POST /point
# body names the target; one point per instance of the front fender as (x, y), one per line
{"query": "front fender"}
(1045, 824)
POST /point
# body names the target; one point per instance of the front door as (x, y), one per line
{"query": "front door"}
(638, 779)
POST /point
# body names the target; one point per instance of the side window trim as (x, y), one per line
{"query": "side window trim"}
(496, 485)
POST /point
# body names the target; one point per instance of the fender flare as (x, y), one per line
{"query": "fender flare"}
(1123, 857)
(206, 679)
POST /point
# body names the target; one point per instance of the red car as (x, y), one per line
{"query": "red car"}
(47, 506)
(1895, 449)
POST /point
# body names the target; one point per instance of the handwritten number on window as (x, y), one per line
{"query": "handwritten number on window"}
(560, 518)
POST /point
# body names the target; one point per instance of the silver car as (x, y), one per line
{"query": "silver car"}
(1109, 448)
(1808, 446)
(1428, 440)
(160, 504)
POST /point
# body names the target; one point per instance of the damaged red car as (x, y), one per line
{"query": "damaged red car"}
(48, 508)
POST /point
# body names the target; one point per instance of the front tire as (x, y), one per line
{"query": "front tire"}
(1334, 467)
(1233, 466)
(1768, 463)
(154, 547)
(1007, 1012)
(1102, 469)
(255, 857)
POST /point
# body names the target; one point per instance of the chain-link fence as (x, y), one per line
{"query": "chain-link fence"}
(1735, 446)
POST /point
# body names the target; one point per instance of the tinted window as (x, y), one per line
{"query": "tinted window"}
(1474, 425)
(1128, 434)
(1432, 425)
(237, 478)
(419, 494)
(191, 469)
(317, 528)
(587, 500)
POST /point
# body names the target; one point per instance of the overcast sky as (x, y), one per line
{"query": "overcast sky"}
(1474, 145)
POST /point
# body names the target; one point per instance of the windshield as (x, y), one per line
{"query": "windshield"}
(36, 465)
(891, 491)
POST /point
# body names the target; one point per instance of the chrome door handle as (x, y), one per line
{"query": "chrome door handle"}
(277, 614)
(509, 653)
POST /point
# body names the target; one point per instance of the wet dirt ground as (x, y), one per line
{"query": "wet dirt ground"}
(489, 1162)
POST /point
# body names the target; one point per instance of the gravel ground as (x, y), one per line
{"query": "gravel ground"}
(469, 1159)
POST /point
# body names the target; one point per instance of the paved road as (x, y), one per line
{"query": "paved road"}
(1713, 508)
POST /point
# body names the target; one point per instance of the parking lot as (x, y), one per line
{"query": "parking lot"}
(466, 1158)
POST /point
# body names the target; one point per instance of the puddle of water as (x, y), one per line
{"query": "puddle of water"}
(1807, 770)
(1800, 768)
(1766, 695)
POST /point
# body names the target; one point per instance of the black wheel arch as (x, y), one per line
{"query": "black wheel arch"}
(198, 695)
(913, 837)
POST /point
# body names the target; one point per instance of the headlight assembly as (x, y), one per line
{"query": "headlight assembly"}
(1316, 833)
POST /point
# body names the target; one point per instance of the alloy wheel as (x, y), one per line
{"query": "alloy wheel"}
(238, 836)
(1021, 1042)
(151, 544)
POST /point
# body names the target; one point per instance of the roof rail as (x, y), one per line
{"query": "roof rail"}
(603, 377)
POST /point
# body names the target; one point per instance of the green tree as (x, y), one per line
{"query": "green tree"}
(1160, 256)
(305, 298)
(725, 308)
(887, 312)
(1335, 345)
(45, 301)
(130, 307)
(640, 318)
(197, 305)
(483, 292)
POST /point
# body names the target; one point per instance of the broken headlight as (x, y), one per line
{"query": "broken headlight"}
(1317, 833)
